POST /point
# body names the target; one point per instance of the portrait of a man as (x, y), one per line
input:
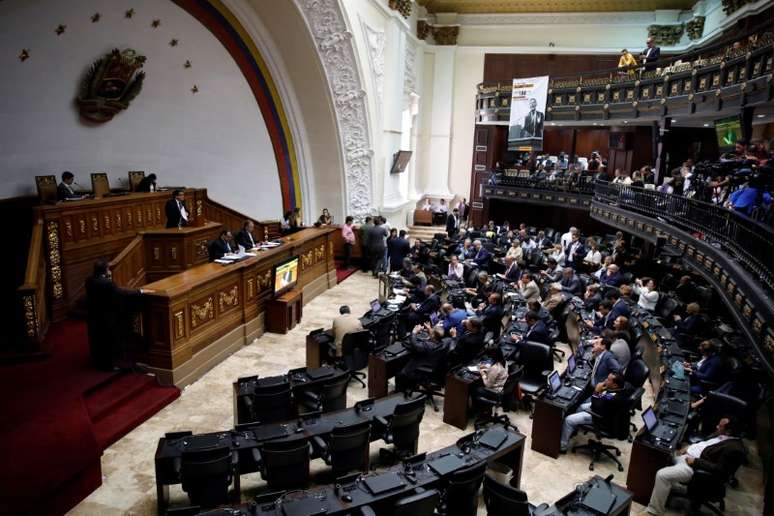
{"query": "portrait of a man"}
(532, 127)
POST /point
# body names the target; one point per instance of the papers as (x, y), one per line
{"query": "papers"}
(269, 245)
(223, 261)
(473, 368)
(398, 300)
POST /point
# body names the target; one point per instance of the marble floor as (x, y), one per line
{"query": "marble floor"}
(128, 485)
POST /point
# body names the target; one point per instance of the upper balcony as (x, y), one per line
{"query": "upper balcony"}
(732, 73)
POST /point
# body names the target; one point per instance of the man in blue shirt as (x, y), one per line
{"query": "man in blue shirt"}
(747, 198)
(452, 318)
(482, 256)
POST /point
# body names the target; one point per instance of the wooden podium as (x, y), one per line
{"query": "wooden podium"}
(173, 250)
(284, 312)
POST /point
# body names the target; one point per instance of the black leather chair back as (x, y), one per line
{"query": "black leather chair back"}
(355, 347)
(272, 403)
(719, 404)
(334, 394)
(637, 372)
(666, 306)
(404, 425)
(616, 425)
(349, 447)
(206, 475)
(536, 358)
(509, 390)
(422, 504)
(462, 491)
(285, 464)
(504, 499)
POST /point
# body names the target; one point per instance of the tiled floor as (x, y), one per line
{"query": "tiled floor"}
(128, 484)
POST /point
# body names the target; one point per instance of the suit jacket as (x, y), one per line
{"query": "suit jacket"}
(429, 305)
(513, 273)
(454, 320)
(722, 458)
(343, 324)
(397, 249)
(109, 309)
(530, 291)
(592, 302)
(620, 307)
(174, 217)
(709, 370)
(245, 239)
(218, 248)
(532, 127)
(577, 257)
(375, 237)
(62, 192)
(655, 55)
(538, 333)
(689, 325)
(492, 318)
(572, 285)
(613, 280)
(452, 225)
(145, 184)
(425, 352)
(482, 257)
(469, 346)
(604, 365)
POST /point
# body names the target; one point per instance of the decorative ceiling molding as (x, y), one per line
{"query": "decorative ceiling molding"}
(555, 6)
(375, 41)
(410, 67)
(617, 18)
(327, 24)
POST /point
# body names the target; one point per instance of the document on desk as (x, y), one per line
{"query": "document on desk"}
(398, 300)
(473, 368)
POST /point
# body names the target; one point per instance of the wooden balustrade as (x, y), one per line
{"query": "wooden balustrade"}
(129, 266)
(32, 294)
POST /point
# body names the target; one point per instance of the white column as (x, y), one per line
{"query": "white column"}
(437, 176)
(394, 56)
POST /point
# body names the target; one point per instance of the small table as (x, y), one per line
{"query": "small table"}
(382, 367)
(284, 312)
(456, 399)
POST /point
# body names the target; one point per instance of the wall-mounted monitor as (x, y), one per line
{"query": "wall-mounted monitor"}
(285, 275)
(728, 131)
(400, 161)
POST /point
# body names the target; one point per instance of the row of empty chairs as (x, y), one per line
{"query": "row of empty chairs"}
(100, 185)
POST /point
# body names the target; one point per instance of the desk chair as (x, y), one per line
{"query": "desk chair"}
(422, 503)
(706, 489)
(461, 494)
(637, 372)
(716, 406)
(285, 464)
(537, 363)
(402, 429)
(614, 426)
(332, 396)
(272, 403)
(207, 474)
(355, 348)
(505, 499)
(47, 189)
(347, 448)
(492, 399)
(100, 184)
(430, 381)
(135, 176)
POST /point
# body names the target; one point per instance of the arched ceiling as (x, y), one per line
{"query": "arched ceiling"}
(552, 6)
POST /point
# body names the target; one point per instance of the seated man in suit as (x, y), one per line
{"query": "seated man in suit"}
(609, 397)
(431, 352)
(592, 297)
(611, 276)
(109, 316)
(620, 306)
(482, 256)
(690, 326)
(453, 223)
(512, 271)
(528, 288)
(244, 236)
(721, 454)
(707, 369)
(542, 313)
(220, 246)
(345, 323)
(469, 342)
(536, 330)
(147, 184)
(420, 312)
(177, 216)
(453, 318)
(603, 318)
(604, 360)
(571, 284)
(491, 313)
(65, 189)
(619, 347)
(552, 273)
(484, 287)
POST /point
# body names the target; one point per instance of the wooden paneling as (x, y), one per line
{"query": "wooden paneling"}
(557, 139)
(589, 140)
(32, 296)
(506, 67)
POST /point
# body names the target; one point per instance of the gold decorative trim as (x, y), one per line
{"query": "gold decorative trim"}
(202, 313)
(264, 280)
(228, 299)
(55, 259)
(179, 324)
(30, 317)
(173, 252)
(250, 288)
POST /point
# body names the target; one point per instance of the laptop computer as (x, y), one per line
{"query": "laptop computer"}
(577, 372)
(377, 310)
(599, 500)
(655, 429)
(383, 483)
(557, 390)
(446, 464)
(493, 438)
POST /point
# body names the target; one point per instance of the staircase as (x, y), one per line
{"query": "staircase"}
(123, 402)
(425, 233)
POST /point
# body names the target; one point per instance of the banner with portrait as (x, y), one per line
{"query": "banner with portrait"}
(528, 107)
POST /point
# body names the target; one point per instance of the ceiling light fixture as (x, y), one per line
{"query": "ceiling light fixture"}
(706, 125)
(761, 116)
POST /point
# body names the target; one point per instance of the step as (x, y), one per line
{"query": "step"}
(103, 398)
(128, 416)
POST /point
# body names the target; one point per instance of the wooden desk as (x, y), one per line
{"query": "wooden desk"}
(317, 348)
(567, 504)
(196, 318)
(169, 251)
(381, 368)
(423, 218)
(456, 400)
(284, 312)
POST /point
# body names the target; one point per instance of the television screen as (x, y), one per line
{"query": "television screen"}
(285, 275)
(728, 131)
(400, 161)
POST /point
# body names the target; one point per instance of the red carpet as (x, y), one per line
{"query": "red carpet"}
(341, 273)
(56, 418)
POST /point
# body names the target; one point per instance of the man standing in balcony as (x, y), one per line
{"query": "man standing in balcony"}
(650, 55)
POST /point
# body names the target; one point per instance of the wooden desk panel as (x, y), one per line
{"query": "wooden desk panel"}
(196, 317)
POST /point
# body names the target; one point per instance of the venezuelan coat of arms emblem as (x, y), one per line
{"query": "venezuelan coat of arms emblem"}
(110, 84)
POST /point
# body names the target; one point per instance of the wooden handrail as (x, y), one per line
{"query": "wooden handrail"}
(128, 266)
(31, 295)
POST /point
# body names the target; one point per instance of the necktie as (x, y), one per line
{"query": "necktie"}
(594, 369)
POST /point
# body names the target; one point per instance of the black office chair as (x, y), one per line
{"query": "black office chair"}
(422, 503)
(492, 399)
(504, 499)
(636, 374)
(207, 474)
(614, 426)
(707, 488)
(347, 448)
(430, 381)
(355, 348)
(270, 404)
(537, 362)
(402, 429)
(285, 464)
(332, 396)
(665, 308)
(716, 406)
(461, 493)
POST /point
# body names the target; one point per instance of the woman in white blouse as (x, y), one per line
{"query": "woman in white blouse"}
(558, 255)
(456, 269)
(494, 376)
(646, 289)
(515, 251)
(593, 257)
